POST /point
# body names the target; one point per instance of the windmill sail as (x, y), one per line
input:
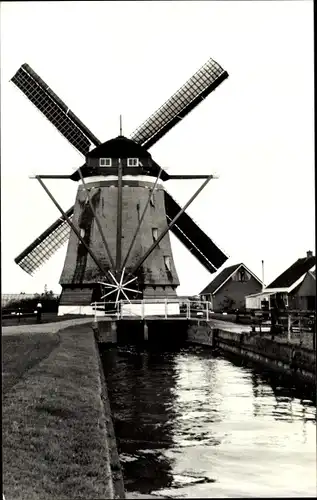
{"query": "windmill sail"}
(54, 109)
(193, 238)
(86, 263)
(204, 81)
(45, 245)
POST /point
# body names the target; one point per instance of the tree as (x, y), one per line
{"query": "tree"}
(49, 303)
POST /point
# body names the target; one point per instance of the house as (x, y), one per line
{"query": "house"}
(228, 289)
(258, 300)
(289, 289)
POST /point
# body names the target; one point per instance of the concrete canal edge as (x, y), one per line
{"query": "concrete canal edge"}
(285, 358)
(292, 360)
(116, 470)
(67, 416)
(105, 330)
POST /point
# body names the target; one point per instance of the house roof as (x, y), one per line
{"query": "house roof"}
(260, 294)
(119, 147)
(293, 273)
(296, 288)
(223, 276)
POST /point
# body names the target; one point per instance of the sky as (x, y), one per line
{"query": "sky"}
(255, 131)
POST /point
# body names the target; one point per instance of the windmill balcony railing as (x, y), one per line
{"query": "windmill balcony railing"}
(153, 308)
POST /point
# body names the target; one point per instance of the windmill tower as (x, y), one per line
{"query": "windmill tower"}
(118, 229)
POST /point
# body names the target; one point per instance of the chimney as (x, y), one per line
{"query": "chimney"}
(309, 254)
(263, 286)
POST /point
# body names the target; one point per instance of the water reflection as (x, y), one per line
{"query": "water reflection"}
(190, 424)
(141, 390)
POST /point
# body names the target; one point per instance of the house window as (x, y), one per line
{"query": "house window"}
(167, 262)
(241, 275)
(154, 233)
(133, 162)
(105, 162)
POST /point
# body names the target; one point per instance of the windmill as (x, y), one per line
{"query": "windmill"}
(118, 229)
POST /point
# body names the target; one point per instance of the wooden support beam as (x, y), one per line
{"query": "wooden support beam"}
(119, 219)
(141, 219)
(180, 177)
(72, 226)
(170, 225)
(49, 176)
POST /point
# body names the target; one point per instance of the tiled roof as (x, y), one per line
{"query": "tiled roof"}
(293, 273)
(220, 279)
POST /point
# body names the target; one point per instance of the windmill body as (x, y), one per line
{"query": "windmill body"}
(157, 277)
(118, 229)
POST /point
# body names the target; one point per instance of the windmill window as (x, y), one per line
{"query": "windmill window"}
(133, 162)
(105, 162)
(154, 233)
(82, 233)
(167, 262)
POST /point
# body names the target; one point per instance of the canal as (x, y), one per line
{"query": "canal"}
(191, 424)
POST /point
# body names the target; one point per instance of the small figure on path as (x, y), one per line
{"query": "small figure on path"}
(39, 312)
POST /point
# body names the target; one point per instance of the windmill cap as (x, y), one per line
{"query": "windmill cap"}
(119, 147)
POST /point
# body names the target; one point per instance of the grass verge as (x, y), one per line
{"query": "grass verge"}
(53, 424)
(22, 352)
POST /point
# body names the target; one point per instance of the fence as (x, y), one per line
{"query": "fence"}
(158, 308)
(290, 325)
(18, 313)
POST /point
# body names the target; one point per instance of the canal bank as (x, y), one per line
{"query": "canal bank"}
(279, 355)
(190, 423)
(172, 409)
(58, 439)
